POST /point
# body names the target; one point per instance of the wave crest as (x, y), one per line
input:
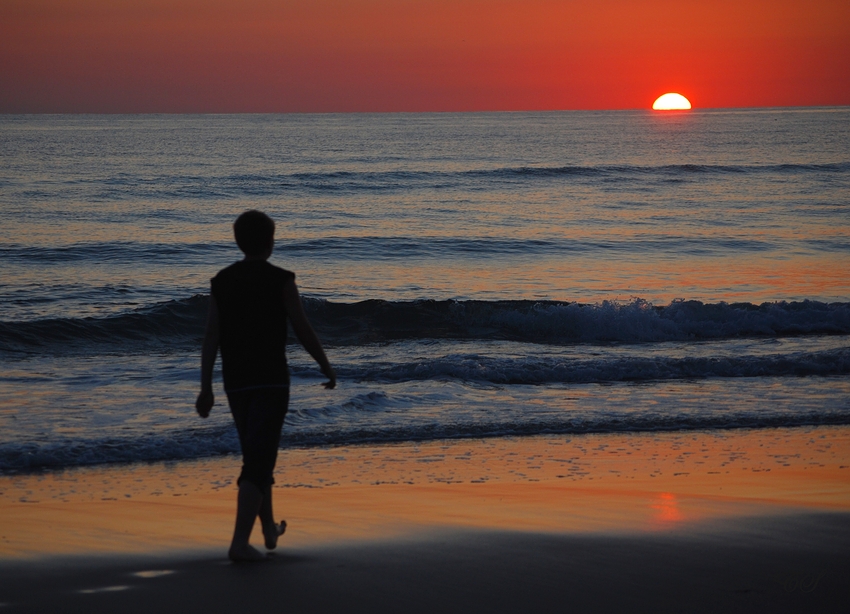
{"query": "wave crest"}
(180, 323)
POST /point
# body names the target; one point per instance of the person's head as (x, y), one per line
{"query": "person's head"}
(254, 232)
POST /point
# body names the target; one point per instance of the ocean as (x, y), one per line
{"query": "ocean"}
(470, 275)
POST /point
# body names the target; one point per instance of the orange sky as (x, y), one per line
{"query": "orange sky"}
(418, 55)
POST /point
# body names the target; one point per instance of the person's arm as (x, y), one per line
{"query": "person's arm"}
(305, 333)
(210, 349)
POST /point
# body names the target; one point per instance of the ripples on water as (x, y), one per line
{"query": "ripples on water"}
(474, 274)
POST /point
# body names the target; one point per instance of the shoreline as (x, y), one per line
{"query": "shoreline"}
(716, 512)
(561, 484)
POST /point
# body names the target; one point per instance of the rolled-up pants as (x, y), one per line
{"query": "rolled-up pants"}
(259, 414)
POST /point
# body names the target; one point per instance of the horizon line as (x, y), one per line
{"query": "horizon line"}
(434, 112)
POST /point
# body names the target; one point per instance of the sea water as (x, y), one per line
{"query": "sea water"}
(471, 275)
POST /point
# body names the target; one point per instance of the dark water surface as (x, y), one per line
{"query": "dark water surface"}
(473, 275)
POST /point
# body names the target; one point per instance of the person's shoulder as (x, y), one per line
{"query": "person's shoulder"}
(280, 273)
(228, 271)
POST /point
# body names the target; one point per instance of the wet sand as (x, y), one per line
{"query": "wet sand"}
(741, 520)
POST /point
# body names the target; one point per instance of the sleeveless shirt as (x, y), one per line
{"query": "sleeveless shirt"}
(252, 324)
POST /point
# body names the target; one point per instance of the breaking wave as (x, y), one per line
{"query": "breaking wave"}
(180, 323)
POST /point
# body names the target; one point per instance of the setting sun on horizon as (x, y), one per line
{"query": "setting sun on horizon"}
(671, 102)
(421, 55)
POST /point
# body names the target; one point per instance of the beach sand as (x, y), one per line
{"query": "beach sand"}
(741, 520)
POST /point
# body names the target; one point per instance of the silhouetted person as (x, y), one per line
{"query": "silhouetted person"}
(249, 306)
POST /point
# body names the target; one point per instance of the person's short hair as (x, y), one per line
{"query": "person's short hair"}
(254, 232)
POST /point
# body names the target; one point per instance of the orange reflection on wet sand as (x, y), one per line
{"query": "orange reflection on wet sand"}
(667, 510)
(588, 483)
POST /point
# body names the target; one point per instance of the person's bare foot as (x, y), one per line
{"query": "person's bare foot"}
(272, 532)
(246, 553)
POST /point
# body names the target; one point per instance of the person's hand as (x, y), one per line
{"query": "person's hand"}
(204, 403)
(329, 373)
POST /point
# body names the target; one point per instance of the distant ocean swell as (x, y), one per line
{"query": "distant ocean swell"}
(129, 186)
(371, 248)
(180, 323)
(100, 252)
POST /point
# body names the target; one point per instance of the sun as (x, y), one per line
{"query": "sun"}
(671, 102)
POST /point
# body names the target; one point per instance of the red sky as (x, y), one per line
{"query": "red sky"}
(418, 55)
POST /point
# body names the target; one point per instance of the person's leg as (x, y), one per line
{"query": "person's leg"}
(259, 416)
(271, 530)
(250, 496)
(247, 507)
(275, 402)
